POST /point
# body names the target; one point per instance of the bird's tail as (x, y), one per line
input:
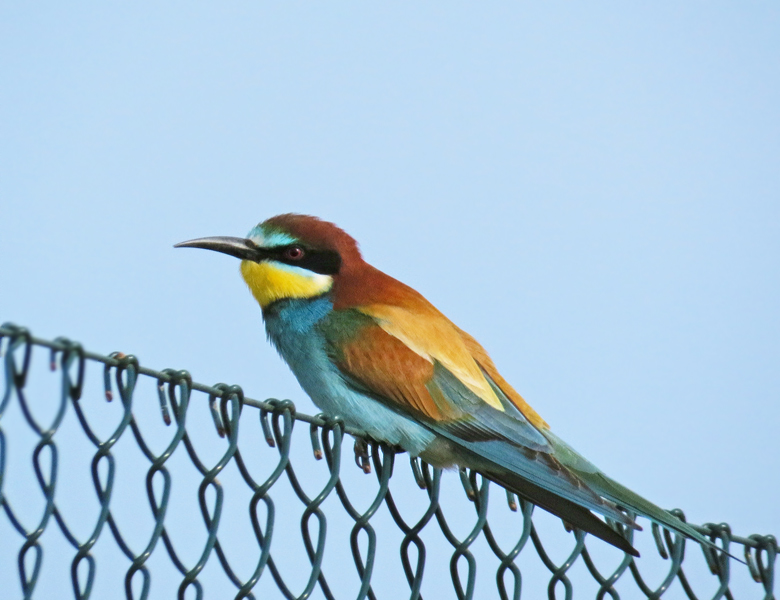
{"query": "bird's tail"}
(568, 511)
(619, 494)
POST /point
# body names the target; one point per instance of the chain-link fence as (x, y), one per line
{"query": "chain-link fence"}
(162, 548)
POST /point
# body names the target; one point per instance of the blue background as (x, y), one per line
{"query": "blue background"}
(591, 190)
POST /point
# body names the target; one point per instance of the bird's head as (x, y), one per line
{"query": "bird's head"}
(288, 256)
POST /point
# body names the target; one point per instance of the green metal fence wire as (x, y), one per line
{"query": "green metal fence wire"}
(121, 373)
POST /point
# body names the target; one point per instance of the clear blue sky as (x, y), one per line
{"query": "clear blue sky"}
(592, 191)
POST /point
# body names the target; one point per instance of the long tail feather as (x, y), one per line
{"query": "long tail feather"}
(622, 496)
(571, 513)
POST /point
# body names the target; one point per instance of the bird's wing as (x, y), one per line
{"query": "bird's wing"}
(421, 367)
(490, 371)
(421, 359)
(420, 364)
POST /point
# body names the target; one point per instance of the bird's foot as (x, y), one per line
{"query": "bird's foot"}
(362, 458)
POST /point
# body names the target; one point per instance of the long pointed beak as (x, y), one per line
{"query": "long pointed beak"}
(238, 247)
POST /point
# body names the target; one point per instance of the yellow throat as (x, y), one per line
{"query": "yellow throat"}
(270, 281)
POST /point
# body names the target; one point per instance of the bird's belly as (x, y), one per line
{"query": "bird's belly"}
(303, 350)
(334, 398)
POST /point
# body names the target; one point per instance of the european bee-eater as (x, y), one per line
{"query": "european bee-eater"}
(373, 351)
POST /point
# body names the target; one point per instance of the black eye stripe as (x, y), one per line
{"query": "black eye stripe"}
(324, 262)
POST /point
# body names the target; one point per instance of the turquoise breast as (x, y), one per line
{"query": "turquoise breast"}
(292, 328)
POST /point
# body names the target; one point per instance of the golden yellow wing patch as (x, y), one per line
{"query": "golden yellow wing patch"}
(431, 335)
(484, 361)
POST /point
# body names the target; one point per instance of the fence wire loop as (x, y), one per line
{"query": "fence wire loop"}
(70, 351)
(417, 472)
(176, 392)
(18, 336)
(660, 544)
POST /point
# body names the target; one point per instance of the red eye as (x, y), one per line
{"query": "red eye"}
(294, 253)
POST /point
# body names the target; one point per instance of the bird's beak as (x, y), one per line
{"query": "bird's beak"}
(238, 247)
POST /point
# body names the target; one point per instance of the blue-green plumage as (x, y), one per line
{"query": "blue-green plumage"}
(308, 334)
(295, 328)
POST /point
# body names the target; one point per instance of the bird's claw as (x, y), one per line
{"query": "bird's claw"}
(362, 459)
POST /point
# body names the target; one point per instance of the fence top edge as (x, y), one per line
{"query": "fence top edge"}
(9, 330)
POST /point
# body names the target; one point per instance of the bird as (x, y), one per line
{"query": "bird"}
(373, 351)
